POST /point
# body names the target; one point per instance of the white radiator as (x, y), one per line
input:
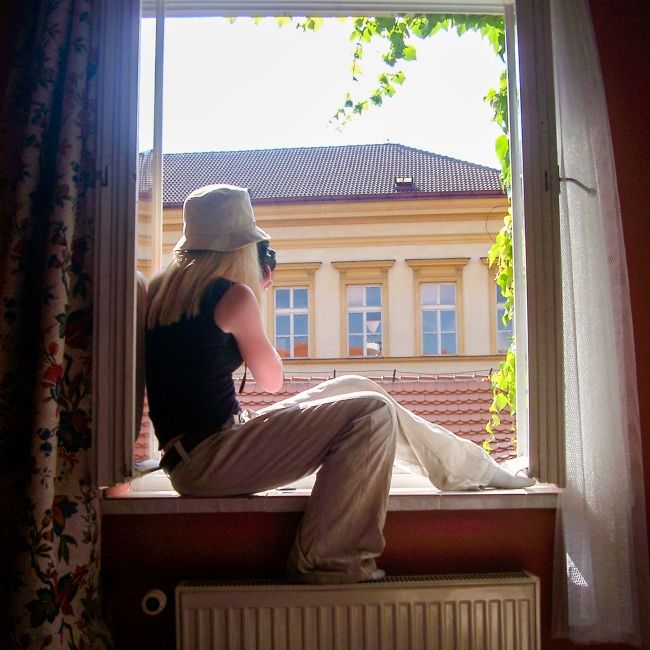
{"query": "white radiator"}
(447, 612)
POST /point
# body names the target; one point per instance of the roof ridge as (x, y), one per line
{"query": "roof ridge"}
(339, 147)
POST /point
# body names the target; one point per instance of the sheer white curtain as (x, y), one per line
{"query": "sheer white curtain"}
(601, 550)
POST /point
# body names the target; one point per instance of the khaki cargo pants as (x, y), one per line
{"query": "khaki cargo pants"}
(352, 430)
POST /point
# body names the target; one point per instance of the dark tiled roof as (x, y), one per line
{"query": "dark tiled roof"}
(317, 173)
(459, 404)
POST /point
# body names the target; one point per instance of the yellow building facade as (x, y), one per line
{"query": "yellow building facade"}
(375, 283)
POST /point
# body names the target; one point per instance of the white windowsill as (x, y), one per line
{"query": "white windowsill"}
(419, 495)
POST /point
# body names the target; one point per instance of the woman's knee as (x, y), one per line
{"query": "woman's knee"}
(359, 383)
(381, 413)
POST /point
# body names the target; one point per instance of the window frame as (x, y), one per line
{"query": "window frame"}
(364, 311)
(363, 272)
(499, 305)
(535, 188)
(438, 271)
(291, 313)
(295, 275)
(493, 310)
(438, 310)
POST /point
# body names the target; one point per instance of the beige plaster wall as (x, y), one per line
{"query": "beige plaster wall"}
(397, 230)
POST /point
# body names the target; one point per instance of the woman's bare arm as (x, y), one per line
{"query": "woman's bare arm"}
(238, 313)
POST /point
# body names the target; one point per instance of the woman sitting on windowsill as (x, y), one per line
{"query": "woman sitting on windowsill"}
(203, 321)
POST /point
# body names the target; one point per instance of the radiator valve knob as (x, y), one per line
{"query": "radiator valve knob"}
(153, 602)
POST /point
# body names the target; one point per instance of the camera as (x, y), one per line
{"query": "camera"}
(265, 255)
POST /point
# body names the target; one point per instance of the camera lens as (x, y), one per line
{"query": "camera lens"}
(266, 255)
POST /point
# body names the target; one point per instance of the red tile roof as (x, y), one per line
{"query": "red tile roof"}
(460, 403)
(322, 173)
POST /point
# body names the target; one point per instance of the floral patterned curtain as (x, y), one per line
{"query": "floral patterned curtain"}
(50, 523)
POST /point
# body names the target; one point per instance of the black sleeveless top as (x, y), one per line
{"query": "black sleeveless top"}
(189, 368)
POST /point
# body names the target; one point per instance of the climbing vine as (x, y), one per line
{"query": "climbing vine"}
(399, 33)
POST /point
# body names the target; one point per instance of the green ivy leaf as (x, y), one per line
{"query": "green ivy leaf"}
(502, 147)
(409, 53)
(501, 401)
(385, 24)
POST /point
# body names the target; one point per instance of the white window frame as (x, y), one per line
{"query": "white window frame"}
(296, 274)
(500, 328)
(535, 196)
(439, 271)
(366, 273)
(438, 309)
(364, 310)
(291, 312)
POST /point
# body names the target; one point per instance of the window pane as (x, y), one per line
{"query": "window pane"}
(373, 296)
(500, 296)
(448, 344)
(355, 346)
(448, 321)
(282, 345)
(282, 298)
(430, 344)
(447, 294)
(429, 321)
(503, 342)
(282, 325)
(355, 296)
(428, 294)
(300, 324)
(355, 323)
(300, 298)
(300, 346)
(373, 322)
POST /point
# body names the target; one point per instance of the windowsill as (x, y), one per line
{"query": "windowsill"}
(412, 498)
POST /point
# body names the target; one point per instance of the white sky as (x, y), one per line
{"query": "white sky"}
(246, 86)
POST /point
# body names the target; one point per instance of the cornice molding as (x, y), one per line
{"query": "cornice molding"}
(364, 242)
(442, 262)
(359, 268)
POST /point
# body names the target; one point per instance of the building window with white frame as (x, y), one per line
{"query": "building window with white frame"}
(292, 322)
(504, 331)
(438, 323)
(438, 318)
(364, 311)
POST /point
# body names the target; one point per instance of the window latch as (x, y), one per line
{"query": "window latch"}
(568, 179)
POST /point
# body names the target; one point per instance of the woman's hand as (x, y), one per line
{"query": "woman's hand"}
(267, 279)
(238, 313)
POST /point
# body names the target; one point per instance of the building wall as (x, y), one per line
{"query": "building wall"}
(327, 233)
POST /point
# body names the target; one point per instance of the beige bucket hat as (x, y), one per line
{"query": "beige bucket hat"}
(218, 218)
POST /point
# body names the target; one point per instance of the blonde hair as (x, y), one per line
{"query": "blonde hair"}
(179, 289)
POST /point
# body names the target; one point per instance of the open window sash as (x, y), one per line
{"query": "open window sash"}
(535, 210)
